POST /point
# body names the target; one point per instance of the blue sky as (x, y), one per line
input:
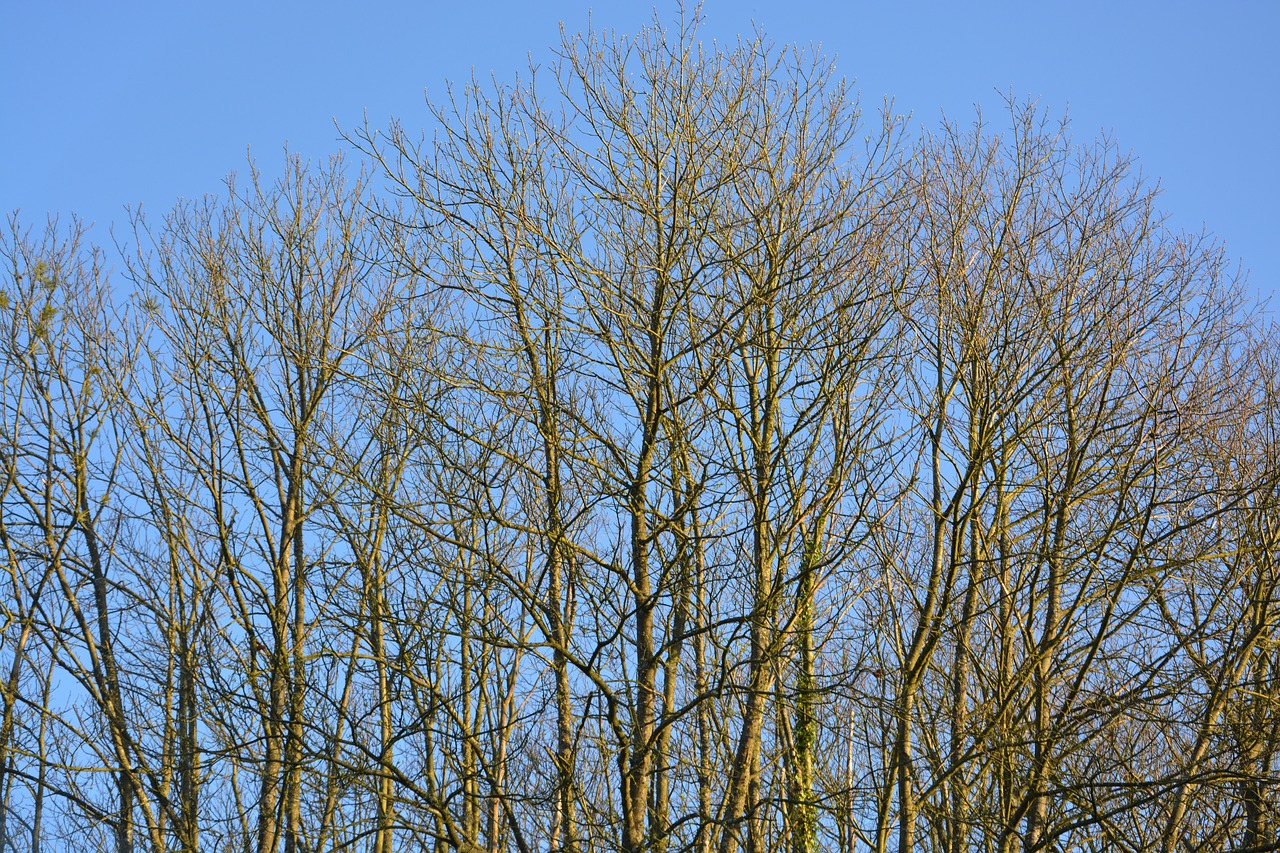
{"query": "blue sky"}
(105, 105)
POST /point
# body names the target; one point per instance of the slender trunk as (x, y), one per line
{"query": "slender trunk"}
(913, 670)
(277, 806)
(1004, 753)
(637, 771)
(269, 790)
(1258, 746)
(6, 728)
(564, 831)
(298, 679)
(566, 826)
(743, 779)
(703, 840)
(959, 834)
(636, 774)
(850, 804)
(471, 696)
(385, 813)
(757, 838)
(1256, 811)
(738, 806)
(507, 711)
(959, 788)
(659, 820)
(924, 637)
(111, 693)
(124, 813)
(906, 790)
(188, 749)
(803, 802)
(37, 816)
(1038, 812)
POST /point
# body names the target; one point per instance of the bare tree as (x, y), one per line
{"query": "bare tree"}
(669, 458)
(262, 300)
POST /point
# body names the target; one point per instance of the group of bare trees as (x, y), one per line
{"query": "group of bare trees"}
(662, 455)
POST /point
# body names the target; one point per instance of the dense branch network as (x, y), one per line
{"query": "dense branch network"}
(664, 455)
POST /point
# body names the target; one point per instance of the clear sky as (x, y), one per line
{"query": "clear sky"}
(108, 104)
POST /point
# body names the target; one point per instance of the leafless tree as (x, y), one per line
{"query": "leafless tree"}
(669, 455)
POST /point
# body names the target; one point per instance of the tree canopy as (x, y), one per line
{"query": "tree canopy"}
(662, 453)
